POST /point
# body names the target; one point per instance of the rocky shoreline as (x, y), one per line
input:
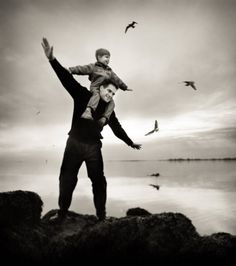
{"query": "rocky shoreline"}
(138, 238)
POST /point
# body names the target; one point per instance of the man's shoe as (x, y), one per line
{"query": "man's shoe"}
(101, 217)
(101, 220)
(87, 114)
(57, 218)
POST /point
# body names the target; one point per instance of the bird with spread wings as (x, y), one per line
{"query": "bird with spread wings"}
(155, 186)
(190, 83)
(131, 25)
(154, 130)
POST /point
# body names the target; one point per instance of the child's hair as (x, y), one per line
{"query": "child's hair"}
(101, 52)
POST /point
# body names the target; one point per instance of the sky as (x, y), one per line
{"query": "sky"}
(174, 40)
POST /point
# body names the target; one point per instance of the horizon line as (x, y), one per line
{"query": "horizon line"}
(175, 159)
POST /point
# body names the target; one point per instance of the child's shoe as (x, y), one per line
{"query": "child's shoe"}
(102, 121)
(87, 114)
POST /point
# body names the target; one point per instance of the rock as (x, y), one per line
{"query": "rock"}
(137, 212)
(20, 207)
(21, 234)
(219, 246)
(139, 238)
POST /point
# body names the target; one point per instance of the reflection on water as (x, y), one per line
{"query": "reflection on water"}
(203, 191)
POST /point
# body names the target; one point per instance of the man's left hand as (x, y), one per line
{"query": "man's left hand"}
(136, 146)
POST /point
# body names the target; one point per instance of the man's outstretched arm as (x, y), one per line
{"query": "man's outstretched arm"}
(48, 49)
(67, 80)
(120, 132)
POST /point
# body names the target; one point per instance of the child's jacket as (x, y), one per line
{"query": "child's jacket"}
(97, 73)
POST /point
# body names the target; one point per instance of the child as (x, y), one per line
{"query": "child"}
(97, 73)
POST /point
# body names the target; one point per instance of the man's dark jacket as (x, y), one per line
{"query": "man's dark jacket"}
(84, 129)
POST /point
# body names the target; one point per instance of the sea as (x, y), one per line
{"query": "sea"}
(204, 191)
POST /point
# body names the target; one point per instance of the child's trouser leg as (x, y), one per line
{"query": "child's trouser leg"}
(94, 100)
(92, 105)
(109, 109)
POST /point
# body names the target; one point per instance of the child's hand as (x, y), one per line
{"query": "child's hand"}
(129, 89)
(68, 69)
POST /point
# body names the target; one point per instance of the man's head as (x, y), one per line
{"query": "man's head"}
(103, 56)
(108, 90)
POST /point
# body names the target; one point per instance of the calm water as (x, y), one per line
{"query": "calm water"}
(204, 191)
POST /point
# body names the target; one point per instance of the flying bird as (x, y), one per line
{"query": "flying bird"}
(190, 83)
(131, 25)
(154, 130)
(155, 174)
(155, 186)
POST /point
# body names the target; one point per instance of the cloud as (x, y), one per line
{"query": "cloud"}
(228, 135)
(172, 42)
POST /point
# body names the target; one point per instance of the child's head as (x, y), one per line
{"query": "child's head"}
(103, 56)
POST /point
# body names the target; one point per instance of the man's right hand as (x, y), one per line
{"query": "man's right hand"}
(48, 50)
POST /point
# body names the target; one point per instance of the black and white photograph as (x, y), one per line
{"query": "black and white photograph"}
(117, 132)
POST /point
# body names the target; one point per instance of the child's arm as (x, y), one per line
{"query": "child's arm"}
(82, 70)
(68, 81)
(119, 82)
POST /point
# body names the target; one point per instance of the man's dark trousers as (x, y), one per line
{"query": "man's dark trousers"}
(77, 152)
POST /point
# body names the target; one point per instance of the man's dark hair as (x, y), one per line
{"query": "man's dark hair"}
(107, 82)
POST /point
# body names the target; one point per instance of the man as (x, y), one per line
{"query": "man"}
(84, 141)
